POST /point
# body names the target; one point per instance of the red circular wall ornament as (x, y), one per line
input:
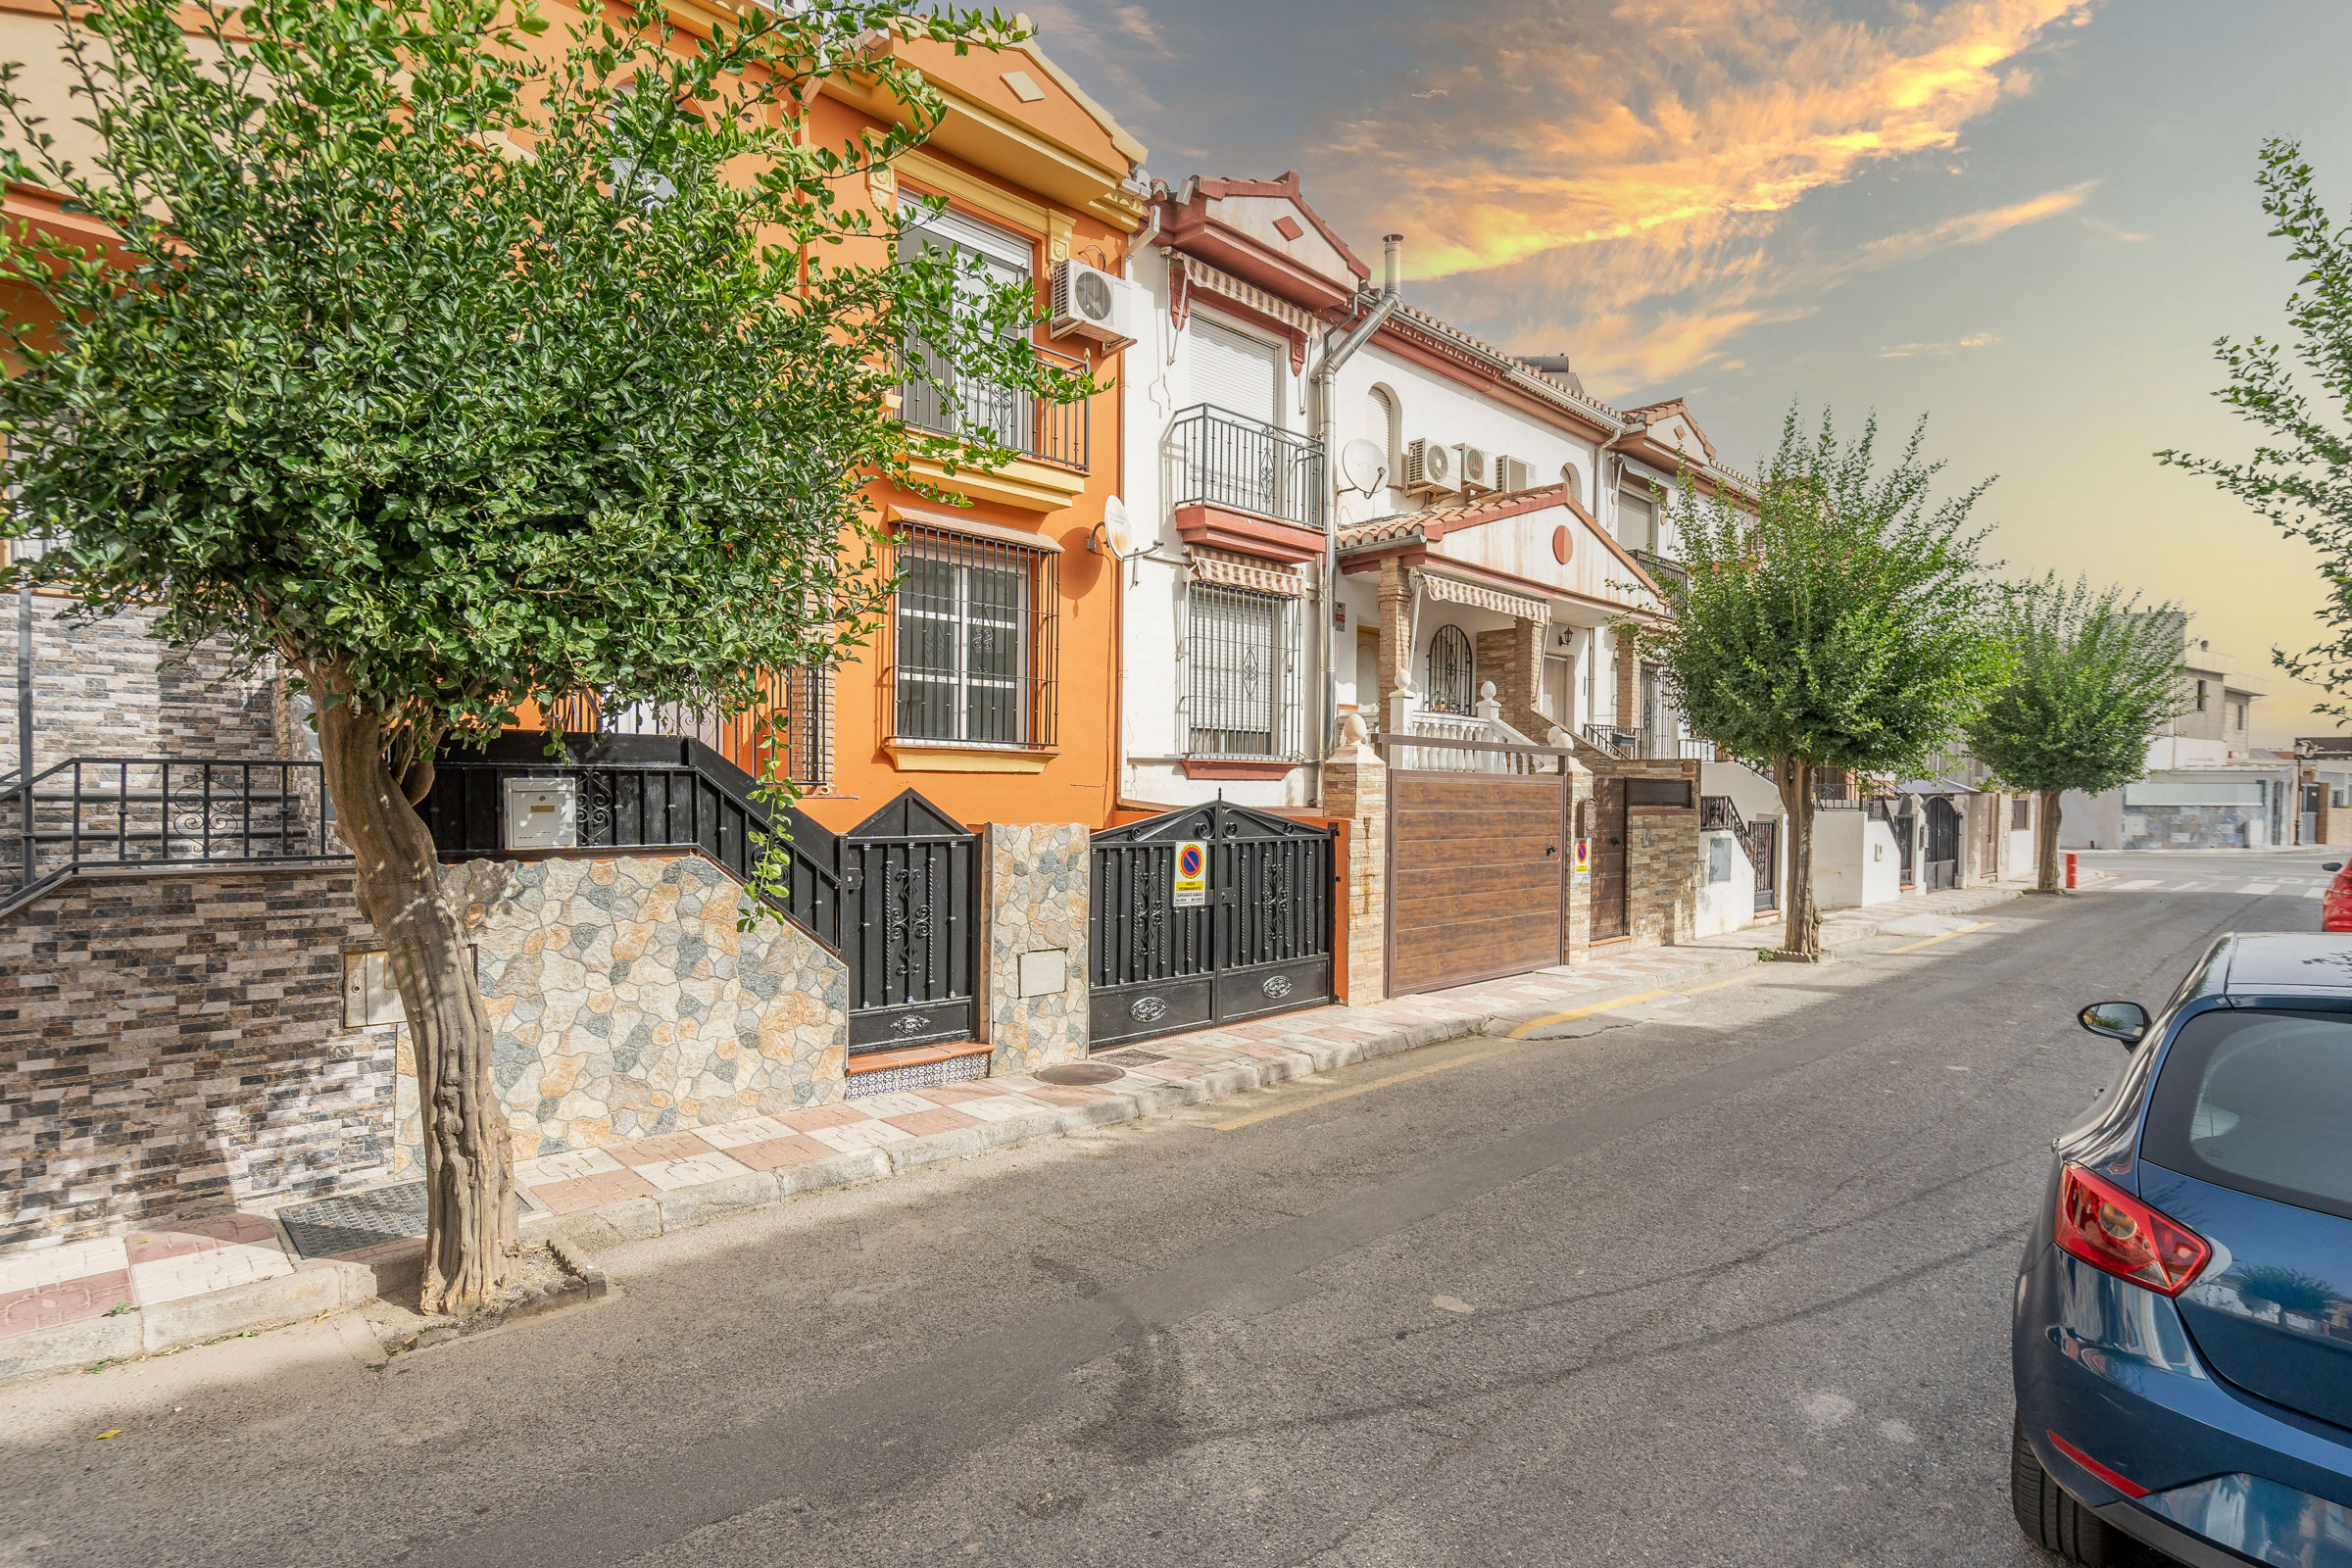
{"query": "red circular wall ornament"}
(1562, 547)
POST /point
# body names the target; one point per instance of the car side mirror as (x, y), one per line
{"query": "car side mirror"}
(2332, 865)
(2117, 1020)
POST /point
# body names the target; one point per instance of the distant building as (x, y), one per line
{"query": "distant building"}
(2208, 787)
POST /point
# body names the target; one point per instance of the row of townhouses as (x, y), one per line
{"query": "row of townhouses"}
(1282, 671)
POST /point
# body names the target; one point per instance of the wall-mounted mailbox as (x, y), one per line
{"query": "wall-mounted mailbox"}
(543, 813)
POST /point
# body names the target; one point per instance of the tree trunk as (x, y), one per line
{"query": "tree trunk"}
(1801, 937)
(2046, 846)
(469, 1160)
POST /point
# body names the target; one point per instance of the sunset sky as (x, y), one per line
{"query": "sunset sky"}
(2026, 218)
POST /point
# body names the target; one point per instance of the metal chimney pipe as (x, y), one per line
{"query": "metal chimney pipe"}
(1392, 267)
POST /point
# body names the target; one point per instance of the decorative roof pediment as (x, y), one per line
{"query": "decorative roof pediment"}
(1263, 232)
(1529, 542)
(1671, 428)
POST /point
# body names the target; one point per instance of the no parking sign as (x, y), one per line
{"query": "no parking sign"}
(1192, 874)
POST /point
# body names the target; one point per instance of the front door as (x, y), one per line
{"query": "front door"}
(1942, 865)
(1606, 827)
(909, 926)
(1763, 849)
(1204, 916)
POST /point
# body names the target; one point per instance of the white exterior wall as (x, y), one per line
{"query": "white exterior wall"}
(1855, 863)
(1152, 674)
(1725, 905)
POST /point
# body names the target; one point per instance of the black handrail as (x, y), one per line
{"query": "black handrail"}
(936, 396)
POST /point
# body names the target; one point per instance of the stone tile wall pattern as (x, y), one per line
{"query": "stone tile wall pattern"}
(628, 1004)
(1356, 786)
(105, 688)
(1035, 889)
(171, 1045)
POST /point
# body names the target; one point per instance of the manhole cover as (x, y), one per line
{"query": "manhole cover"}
(1131, 1058)
(334, 1226)
(1079, 1072)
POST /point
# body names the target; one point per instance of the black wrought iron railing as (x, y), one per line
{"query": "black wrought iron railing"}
(937, 397)
(632, 792)
(159, 811)
(1719, 812)
(1223, 459)
(1613, 740)
(1668, 574)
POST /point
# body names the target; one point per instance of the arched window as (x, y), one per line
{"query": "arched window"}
(1449, 686)
(1574, 481)
(1380, 427)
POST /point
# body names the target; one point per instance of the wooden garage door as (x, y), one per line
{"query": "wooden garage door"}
(1477, 877)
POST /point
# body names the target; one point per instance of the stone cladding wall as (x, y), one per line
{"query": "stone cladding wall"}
(2191, 828)
(1665, 865)
(628, 1004)
(171, 1045)
(105, 688)
(1513, 660)
(1035, 891)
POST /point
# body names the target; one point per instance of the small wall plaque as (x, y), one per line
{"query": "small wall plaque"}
(370, 997)
(1045, 973)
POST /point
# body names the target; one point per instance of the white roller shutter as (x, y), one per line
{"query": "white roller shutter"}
(1235, 371)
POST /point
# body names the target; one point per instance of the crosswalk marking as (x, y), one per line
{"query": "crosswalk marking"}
(2315, 891)
(2133, 887)
(2260, 887)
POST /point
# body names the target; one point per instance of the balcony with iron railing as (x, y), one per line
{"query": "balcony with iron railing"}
(940, 400)
(1255, 473)
(1667, 574)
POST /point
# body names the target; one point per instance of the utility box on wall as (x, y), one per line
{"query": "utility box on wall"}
(1045, 973)
(541, 813)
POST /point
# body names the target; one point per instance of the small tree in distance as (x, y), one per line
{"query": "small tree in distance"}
(452, 367)
(2095, 677)
(1844, 623)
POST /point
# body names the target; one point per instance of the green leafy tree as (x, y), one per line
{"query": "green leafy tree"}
(1844, 623)
(452, 363)
(2300, 475)
(2094, 678)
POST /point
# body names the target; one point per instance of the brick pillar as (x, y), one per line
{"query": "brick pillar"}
(1579, 883)
(1356, 786)
(1513, 661)
(1629, 695)
(1396, 635)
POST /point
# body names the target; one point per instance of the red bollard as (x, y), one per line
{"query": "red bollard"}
(2070, 870)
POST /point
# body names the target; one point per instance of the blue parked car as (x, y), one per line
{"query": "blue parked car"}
(2182, 1344)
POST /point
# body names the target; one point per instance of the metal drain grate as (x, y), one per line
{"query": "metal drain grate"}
(923, 1075)
(334, 1226)
(1132, 1057)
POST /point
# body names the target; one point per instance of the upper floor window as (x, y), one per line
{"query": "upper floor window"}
(937, 397)
(1448, 687)
(1636, 521)
(974, 629)
(2200, 697)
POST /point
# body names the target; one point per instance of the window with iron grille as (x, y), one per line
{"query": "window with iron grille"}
(1242, 686)
(974, 636)
(1447, 688)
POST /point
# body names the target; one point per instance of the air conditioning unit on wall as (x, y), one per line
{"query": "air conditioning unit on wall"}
(1514, 473)
(1089, 302)
(1431, 469)
(1477, 469)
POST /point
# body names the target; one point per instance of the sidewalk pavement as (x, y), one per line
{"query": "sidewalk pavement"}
(170, 1285)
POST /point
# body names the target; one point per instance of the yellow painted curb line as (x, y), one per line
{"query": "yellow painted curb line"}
(1946, 937)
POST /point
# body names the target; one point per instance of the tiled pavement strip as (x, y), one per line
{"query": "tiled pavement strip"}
(172, 1284)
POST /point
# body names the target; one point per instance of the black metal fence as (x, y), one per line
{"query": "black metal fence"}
(1255, 938)
(1223, 459)
(157, 810)
(790, 732)
(937, 397)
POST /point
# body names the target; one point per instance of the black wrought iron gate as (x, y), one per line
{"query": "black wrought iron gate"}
(1257, 943)
(910, 925)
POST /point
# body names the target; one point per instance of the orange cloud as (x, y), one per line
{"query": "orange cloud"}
(1627, 166)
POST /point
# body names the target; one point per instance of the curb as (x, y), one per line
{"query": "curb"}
(324, 1286)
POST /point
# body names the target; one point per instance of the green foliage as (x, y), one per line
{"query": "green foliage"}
(2096, 677)
(455, 363)
(1844, 623)
(2300, 475)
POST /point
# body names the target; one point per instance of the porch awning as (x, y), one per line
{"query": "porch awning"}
(1239, 571)
(1454, 591)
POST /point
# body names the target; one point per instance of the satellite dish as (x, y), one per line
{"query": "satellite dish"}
(1116, 532)
(1363, 466)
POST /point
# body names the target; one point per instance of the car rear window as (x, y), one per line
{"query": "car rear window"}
(2259, 1100)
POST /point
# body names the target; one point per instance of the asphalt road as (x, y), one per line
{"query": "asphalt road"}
(1716, 1281)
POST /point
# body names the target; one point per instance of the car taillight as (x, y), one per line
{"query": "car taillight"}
(2109, 1229)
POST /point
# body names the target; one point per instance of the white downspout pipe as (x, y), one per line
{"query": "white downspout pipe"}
(1337, 349)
